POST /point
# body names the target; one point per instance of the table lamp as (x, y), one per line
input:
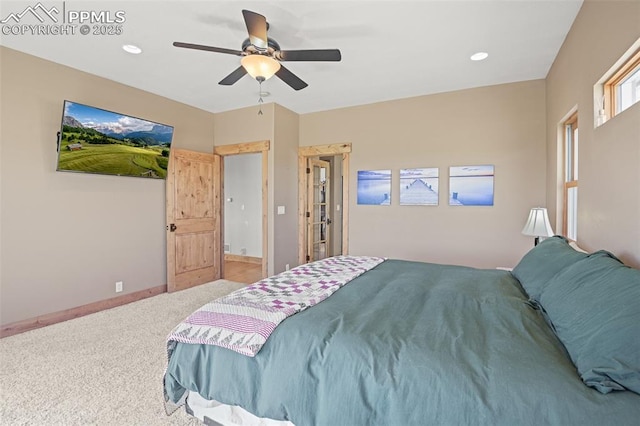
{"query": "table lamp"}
(538, 224)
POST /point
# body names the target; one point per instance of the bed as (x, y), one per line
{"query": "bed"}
(555, 341)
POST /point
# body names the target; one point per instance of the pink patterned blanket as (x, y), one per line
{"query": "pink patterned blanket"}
(243, 320)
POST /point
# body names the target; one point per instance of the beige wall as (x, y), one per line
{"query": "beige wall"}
(609, 156)
(67, 237)
(285, 179)
(500, 125)
(243, 125)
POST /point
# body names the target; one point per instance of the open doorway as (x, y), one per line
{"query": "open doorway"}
(243, 217)
(324, 204)
(243, 170)
(323, 184)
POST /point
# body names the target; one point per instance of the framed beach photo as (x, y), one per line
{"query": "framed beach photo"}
(419, 187)
(374, 187)
(471, 185)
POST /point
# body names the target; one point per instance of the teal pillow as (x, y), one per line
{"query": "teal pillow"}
(594, 306)
(543, 262)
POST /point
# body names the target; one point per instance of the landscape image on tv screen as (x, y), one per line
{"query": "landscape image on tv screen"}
(93, 140)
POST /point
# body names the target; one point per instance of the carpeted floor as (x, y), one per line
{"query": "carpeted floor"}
(101, 369)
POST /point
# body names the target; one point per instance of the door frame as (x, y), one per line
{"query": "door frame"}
(304, 153)
(219, 153)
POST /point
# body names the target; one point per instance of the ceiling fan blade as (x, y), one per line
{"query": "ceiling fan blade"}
(234, 76)
(257, 28)
(208, 48)
(310, 55)
(290, 78)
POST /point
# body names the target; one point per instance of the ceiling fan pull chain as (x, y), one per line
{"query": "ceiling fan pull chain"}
(260, 101)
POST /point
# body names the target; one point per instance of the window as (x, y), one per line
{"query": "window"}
(570, 219)
(623, 88)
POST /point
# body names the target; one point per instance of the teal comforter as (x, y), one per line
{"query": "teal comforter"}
(407, 343)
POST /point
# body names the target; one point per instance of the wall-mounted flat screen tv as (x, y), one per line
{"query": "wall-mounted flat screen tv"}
(93, 140)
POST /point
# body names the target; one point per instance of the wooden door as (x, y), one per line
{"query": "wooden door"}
(318, 220)
(192, 219)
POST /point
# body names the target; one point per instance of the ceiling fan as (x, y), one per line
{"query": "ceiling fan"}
(261, 55)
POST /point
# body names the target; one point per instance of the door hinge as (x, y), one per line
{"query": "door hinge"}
(172, 227)
(308, 214)
(308, 258)
(308, 170)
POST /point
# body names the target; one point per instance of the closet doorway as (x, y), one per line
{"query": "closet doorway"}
(243, 171)
(323, 201)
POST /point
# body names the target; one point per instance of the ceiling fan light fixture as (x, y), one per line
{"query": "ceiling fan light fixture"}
(260, 66)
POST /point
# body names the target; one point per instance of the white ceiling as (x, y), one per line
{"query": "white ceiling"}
(390, 49)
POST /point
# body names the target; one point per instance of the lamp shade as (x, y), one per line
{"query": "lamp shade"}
(538, 223)
(260, 66)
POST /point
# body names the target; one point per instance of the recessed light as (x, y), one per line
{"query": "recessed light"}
(479, 56)
(132, 48)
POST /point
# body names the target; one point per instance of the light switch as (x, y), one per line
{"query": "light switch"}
(280, 209)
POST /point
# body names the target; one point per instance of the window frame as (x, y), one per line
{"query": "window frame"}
(629, 66)
(570, 142)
